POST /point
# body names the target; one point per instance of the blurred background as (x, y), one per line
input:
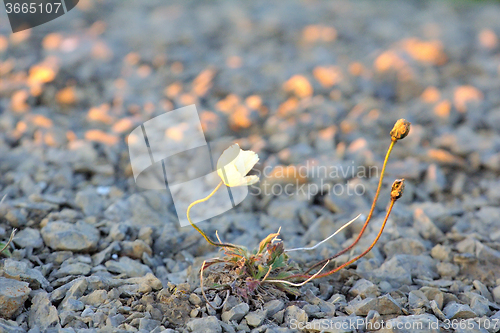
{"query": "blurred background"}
(298, 82)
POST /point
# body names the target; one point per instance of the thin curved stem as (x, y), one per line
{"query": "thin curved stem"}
(201, 231)
(318, 276)
(368, 218)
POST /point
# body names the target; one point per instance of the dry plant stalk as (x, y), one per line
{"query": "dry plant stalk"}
(267, 270)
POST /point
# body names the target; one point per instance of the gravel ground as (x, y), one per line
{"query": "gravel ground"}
(302, 83)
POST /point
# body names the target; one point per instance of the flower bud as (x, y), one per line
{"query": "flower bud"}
(400, 130)
(397, 189)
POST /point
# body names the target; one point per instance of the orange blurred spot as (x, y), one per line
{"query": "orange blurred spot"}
(20, 36)
(132, 58)
(287, 174)
(66, 96)
(488, 39)
(430, 95)
(327, 76)
(187, 99)
(143, 71)
(70, 136)
(149, 107)
(388, 60)
(444, 157)
(102, 137)
(347, 126)
(173, 90)
(464, 95)
(328, 34)
(240, 118)
(4, 43)
(97, 28)
(41, 74)
(203, 82)
(356, 68)
(101, 51)
(313, 33)
(288, 106)
(227, 104)
(234, 62)
(328, 133)
(254, 102)
(373, 115)
(21, 127)
(175, 133)
(122, 125)
(49, 139)
(6, 66)
(430, 52)
(299, 85)
(18, 101)
(41, 121)
(52, 41)
(100, 114)
(443, 109)
(120, 83)
(177, 67)
(86, 5)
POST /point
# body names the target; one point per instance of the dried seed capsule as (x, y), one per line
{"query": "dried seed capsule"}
(397, 189)
(400, 130)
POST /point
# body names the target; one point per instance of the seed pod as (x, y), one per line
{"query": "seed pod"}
(400, 130)
(397, 189)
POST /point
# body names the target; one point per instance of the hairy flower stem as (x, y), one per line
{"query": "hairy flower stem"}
(368, 218)
(396, 193)
(201, 231)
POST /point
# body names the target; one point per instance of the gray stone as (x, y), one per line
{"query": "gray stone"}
(417, 299)
(89, 201)
(447, 269)
(77, 268)
(43, 314)
(294, 314)
(28, 237)
(364, 288)
(13, 294)
(106, 254)
(479, 304)
(400, 269)
(195, 299)
(482, 289)
(207, 324)
(337, 325)
(127, 266)
(423, 323)
(236, 313)
(10, 326)
(135, 249)
(404, 246)
(256, 318)
(72, 237)
(118, 231)
(273, 306)
(19, 270)
(148, 324)
(441, 252)
(95, 298)
(384, 305)
(454, 310)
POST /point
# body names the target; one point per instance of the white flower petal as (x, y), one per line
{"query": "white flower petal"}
(234, 164)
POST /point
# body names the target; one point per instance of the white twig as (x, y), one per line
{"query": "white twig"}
(302, 283)
(12, 234)
(336, 232)
(203, 291)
